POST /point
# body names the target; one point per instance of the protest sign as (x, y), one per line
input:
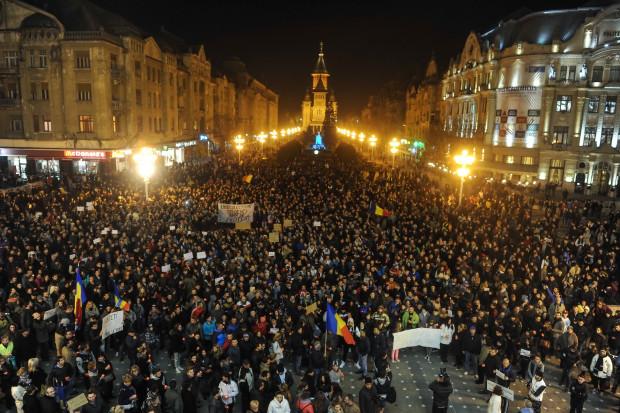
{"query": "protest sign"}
(112, 324)
(188, 256)
(201, 255)
(243, 225)
(424, 337)
(274, 237)
(50, 313)
(233, 213)
(76, 402)
(506, 392)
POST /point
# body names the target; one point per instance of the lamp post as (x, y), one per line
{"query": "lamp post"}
(239, 141)
(261, 138)
(372, 141)
(145, 161)
(464, 159)
(393, 149)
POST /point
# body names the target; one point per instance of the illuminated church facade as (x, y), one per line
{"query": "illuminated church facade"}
(319, 106)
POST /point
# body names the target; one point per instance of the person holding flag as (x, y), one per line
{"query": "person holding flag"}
(119, 302)
(79, 300)
(336, 325)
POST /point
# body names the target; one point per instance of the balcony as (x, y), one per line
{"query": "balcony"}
(116, 73)
(508, 167)
(90, 35)
(4, 102)
(117, 106)
(8, 69)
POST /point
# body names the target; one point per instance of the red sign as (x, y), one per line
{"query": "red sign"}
(81, 154)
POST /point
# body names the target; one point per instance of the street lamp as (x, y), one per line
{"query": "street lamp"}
(261, 138)
(372, 141)
(464, 159)
(145, 161)
(239, 141)
(393, 149)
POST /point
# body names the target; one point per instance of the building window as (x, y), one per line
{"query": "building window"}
(148, 73)
(527, 160)
(563, 103)
(556, 163)
(113, 61)
(47, 125)
(42, 58)
(35, 123)
(84, 92)
(560, 135)
(140, 124)
(82, 60)
(116, 126)
(10, 59)
(593, 102)
(610, 104)
(11, 91)
(597, 74)
(138, 70)
(45, 92)
(33, 58)
(171, 79)
(572, 70)
(606, 135)
(509, 159)
(589, 136)
(87, 124)
(15, 125)
(33, 91)
(563, 72)
(614, 74)
(138, 97)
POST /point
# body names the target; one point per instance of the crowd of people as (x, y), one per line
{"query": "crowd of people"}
(244, 327)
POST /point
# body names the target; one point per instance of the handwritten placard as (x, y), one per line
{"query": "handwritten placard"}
(201, 255)
(165, 268)
(274, 237)
(80, 209)
(188, 256)
(243, 225)
(277, 227)
(316, 224)
(76, 402)
(288, 223)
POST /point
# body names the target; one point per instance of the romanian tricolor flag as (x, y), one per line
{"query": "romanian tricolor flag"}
(248, 179)
(118, 300)
(80, 299)
(336, 325)
(377, 210)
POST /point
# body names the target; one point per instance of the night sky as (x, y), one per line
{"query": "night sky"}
(366, 44)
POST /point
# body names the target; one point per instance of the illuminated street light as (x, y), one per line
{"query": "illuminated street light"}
(464, 159)
(372, 141)
(262, 137)
(145, 161)
(394, 149)
(239, 141)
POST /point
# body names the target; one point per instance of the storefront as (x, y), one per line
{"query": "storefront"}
(176, 152)
(30, 162)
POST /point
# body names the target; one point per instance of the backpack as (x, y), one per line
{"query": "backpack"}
(391, 395)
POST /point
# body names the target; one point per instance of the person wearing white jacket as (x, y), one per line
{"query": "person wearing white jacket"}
(601, 369)
(228, 390)
(279, 404)
(447, 331)
(495, 402)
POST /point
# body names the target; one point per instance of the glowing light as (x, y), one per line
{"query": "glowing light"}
(145, 161)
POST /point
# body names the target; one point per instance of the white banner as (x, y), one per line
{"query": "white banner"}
(112, 324)
(506, 392)
(425, 337)
(234, 213)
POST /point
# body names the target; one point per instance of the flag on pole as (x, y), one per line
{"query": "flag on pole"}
(377, 210)
(248, 179)
(118, 300)
(80, 299)
(336, 325)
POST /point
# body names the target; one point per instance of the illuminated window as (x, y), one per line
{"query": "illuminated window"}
(47, 125)
(560, 135)
(509, 159)
(116, 126)
(557, 163)
(607, 135)
(593, 103)
(610, 104)
(87, 124)
(527, 160)
(589, 136)
(563, 103)
(45, 91)
(563, 72)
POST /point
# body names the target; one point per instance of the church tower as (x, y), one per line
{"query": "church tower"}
(315, 105)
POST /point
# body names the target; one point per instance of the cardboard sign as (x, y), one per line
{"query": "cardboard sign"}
(274, 237)
(506, 392)
(112, 324)
(277, 227)
(243, 225)
(80, 209)
(188, 256)
(525, 353)
(89, 204)
(50, 313)
(90, 208)
(288, 223)
(76, 402)
(316, 224)
(201, 255)
(219, 280)
(165, 268)
(172, 227)
(104, 232)
(114, 232)
(96, 240)
(312, 308)
(204, 233)
(272, 253)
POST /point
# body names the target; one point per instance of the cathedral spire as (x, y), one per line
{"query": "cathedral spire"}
(320, 62)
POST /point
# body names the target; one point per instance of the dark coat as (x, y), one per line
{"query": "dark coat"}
(368, 400)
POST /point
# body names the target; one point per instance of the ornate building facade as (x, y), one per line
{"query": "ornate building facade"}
(422, 106)
(537, 98)
(81, 82)
(319, 99)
